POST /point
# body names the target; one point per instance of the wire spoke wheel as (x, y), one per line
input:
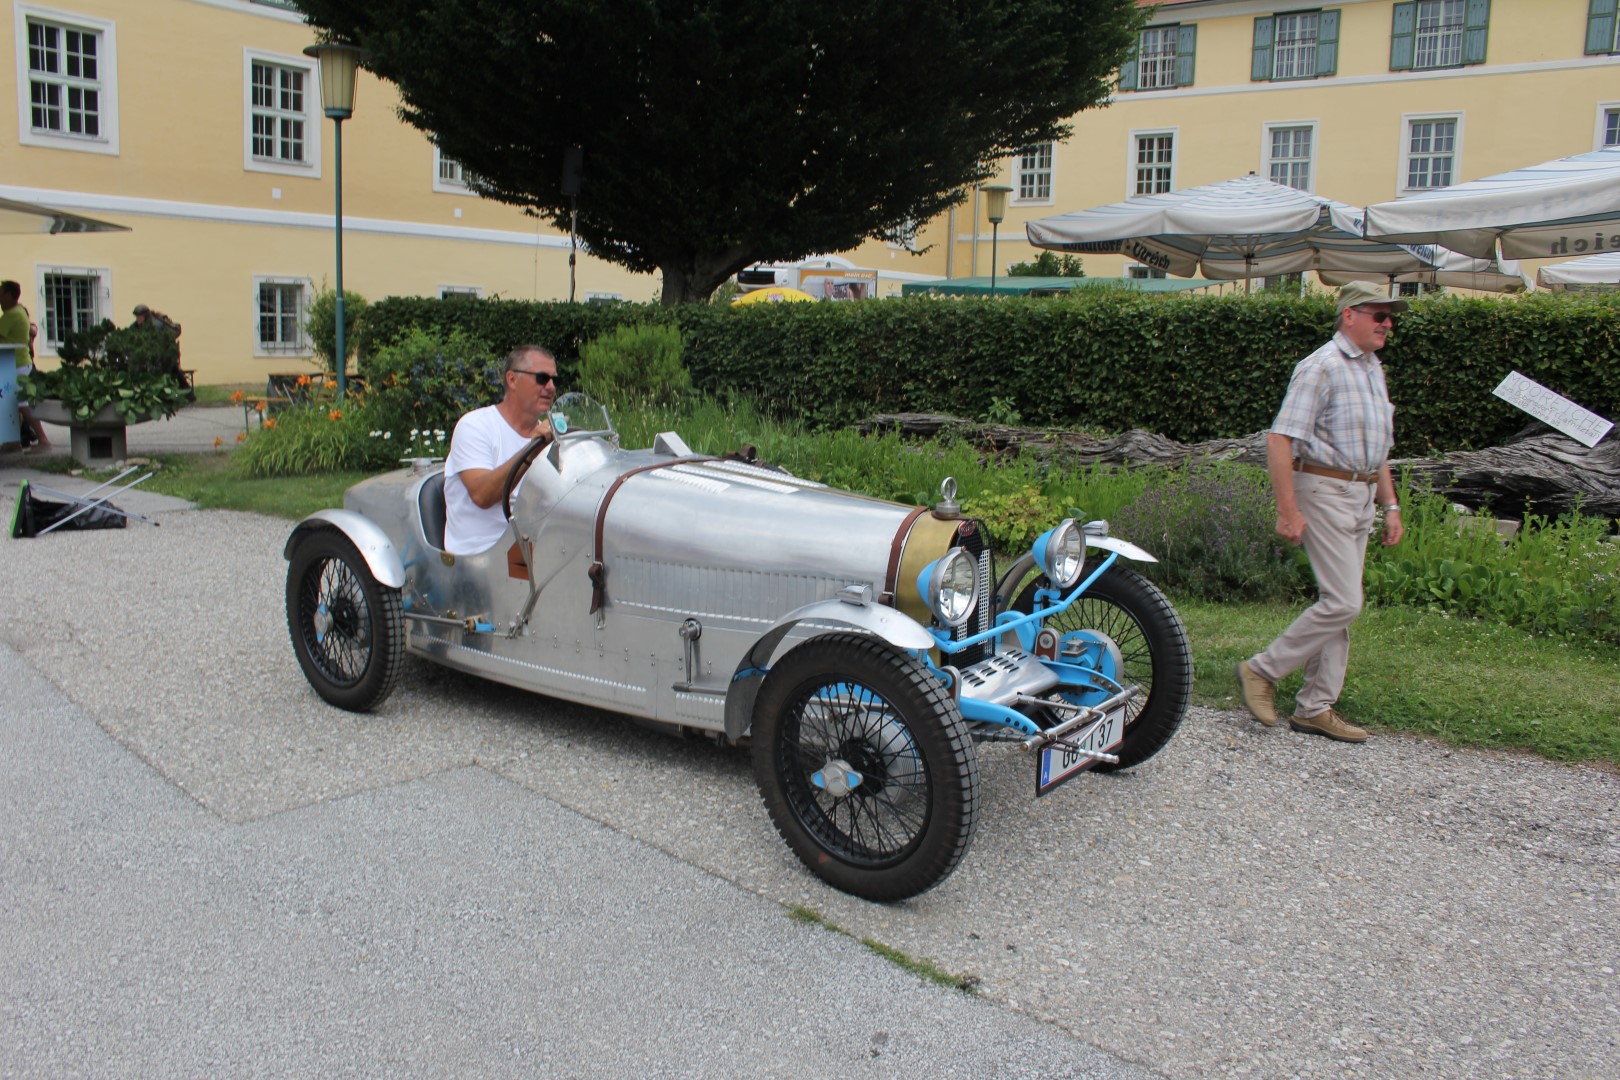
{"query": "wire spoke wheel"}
(346, 627)
(865, 766)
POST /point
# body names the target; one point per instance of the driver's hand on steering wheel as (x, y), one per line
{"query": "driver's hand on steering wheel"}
(542, 426)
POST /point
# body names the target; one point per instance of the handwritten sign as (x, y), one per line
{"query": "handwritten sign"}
(1553, 409)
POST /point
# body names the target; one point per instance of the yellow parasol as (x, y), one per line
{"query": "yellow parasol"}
(776, 294)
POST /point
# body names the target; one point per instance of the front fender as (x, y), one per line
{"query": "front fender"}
(382, 558)
(898, 629)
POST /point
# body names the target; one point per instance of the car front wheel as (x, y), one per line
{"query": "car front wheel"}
(865, 766)
(346, 626)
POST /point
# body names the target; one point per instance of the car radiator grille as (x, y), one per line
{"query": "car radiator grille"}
(971, 538)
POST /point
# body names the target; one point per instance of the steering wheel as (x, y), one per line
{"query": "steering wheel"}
(519, 467)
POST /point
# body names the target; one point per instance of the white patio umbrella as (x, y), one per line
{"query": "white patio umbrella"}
(1592, 272)
(17, 218)
(1242, 228)
(1450, 268)
(1570, 206)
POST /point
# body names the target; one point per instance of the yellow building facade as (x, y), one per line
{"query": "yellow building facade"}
(1360, 101)
(198, 124)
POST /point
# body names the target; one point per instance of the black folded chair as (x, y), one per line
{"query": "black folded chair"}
(36, 516)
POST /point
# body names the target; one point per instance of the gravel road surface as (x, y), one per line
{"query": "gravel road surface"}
(1250, 902)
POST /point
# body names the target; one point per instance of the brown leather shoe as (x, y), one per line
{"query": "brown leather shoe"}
(1259, 694)
(1330, 724)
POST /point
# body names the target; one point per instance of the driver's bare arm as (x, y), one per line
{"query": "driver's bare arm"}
(484, 486)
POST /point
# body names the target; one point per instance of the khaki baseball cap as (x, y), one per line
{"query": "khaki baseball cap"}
(1358, 293)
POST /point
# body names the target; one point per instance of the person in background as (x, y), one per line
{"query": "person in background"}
(1328, 455)
(485, 445)
(16, 328)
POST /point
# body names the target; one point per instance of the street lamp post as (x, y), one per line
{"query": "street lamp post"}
(995, 208)
(338, 66)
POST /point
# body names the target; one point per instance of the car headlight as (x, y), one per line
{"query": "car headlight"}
(949, 587)
(1061, 553)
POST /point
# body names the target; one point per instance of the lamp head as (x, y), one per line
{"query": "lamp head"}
(995, 202)
(338, 66)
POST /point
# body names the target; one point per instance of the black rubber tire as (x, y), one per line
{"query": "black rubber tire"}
(1152, 641)
(356, 661)
(519, 467)
(908, 824)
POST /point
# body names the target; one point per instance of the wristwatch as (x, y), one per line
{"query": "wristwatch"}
(1389, 508)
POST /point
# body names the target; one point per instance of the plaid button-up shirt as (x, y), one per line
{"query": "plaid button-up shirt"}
(1337, 409)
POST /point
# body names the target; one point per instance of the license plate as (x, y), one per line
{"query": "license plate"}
(1058, 762)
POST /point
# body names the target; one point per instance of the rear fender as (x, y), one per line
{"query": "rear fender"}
(898, 629)
(382, 558)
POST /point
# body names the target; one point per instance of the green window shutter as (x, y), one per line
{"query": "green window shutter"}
(1127, 73)
(1476, 20)
(1600, 27)
(1327, 43)
(1403, 37)
(1186, 42)
(1264, 28)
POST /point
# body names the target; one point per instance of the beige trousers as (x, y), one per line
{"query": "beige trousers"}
(1338, 519)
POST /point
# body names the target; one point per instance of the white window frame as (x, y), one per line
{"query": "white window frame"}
(1039, 177)
(305, 349)
(476, 292)
(1163, 63)
(311, 165)
(449, 187)
(101, 302)
(1447, 38)
(1134, 148)
(1601, 126)
(107, 63)
(1307, 71)
(1266, 148)
(1142, 272)
(1407, 121)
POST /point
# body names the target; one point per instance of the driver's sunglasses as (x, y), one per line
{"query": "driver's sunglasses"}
(541, 378)
(1377, 317)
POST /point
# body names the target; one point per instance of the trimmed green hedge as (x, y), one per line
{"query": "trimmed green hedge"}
(1189, 367)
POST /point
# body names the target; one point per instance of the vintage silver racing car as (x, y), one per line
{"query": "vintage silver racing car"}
(862, 647)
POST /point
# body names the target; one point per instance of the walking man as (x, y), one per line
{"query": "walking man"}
(1328, 454)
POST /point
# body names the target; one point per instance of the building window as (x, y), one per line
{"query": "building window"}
(460, 292)
(1142, 273)
(1154, 168)
(282, 97)
(73, 299)
(1431, 152)
(283, 305)
(1601, 25)
(1289, 153)
(1608, 125)
(449, 175)
(1296, 46)
(1429, 34)
(1035, 173)
(1164, 59)
(66, 81)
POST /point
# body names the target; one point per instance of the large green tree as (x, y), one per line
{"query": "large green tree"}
(718, 133)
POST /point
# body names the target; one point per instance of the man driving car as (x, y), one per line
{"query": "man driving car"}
(485, 445)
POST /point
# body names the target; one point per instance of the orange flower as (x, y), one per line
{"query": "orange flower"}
(269, 422)
(236, 398)
(331, 384)
(335, 414)
(260, 405)
(303, 380)
(219, 441)
(241, 436)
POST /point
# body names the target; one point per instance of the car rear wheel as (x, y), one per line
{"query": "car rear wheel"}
(347, 628)
(865, 766)
(1131, 612)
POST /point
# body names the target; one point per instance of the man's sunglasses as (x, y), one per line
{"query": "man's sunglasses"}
(541, 378)
(1377, 317)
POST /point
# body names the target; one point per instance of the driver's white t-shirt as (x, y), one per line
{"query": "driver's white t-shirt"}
(482, 440)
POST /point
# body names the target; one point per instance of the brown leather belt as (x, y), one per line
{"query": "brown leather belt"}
(1337, 474)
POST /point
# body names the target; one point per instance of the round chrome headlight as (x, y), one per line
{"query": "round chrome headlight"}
(949, 586)
(1061, 553)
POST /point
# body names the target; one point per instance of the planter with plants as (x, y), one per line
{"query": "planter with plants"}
(109, 378)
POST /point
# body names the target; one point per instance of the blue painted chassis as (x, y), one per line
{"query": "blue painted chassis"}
(1078, 682)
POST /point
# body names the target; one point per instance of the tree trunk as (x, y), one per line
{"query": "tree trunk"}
(692, 279)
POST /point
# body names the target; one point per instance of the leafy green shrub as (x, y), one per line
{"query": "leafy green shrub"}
(1013, 518)
(640, 363)
(428, 380)
(1559, 577)
(135, 370)
(308, 439)
(1213, 530)
(322, 326)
